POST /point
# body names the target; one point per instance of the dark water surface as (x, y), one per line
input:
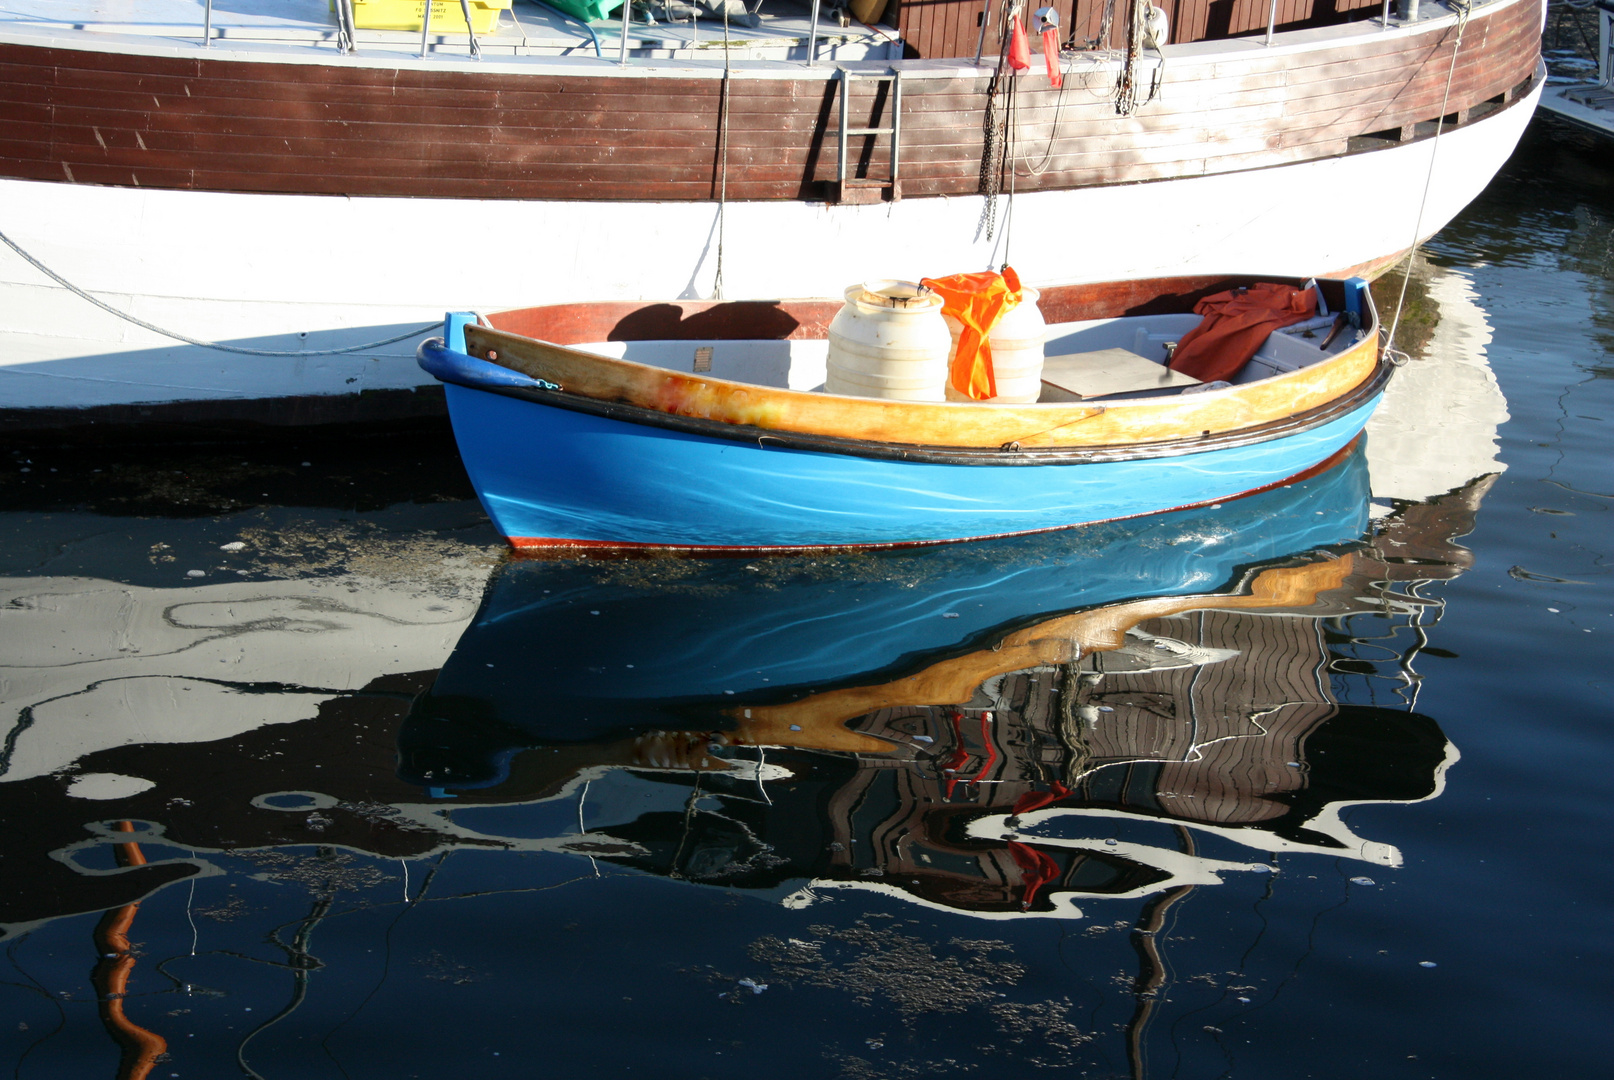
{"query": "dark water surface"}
(1316, 783)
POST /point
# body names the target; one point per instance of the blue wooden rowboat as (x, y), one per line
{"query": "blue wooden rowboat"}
(696, 425)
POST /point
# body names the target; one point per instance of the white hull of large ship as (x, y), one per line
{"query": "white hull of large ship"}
(300, 273)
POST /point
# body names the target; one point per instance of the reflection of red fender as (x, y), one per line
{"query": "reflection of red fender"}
(1036, 869)
(141, 1048)
(1036, 800)
(956, 759)
(991, 748)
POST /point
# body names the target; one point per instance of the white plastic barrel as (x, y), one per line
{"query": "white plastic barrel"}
(1017, 342)
(889, 341)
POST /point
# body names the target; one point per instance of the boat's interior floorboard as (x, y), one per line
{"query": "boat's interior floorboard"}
(802, 364)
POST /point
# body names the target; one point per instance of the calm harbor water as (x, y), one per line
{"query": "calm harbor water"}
(303, 778)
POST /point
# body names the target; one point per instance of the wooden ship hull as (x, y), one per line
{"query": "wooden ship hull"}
(569, 449)
(270, 193)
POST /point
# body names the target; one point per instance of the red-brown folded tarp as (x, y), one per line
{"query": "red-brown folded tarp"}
(1235, 325)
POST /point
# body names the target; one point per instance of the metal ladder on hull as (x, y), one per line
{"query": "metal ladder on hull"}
(869, 190)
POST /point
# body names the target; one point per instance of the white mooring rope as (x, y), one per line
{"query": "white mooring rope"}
(1434, 148)
(124, 315)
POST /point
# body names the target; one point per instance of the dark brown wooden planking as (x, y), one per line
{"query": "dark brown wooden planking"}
(193, 123)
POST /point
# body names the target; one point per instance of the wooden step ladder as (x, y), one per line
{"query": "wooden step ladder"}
(869, 189)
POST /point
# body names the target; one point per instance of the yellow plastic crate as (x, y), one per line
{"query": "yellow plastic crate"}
(447, 17)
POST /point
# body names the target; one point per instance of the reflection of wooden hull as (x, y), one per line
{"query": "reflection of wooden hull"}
(571, 449)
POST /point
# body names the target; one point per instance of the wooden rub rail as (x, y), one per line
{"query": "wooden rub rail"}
(207, 123)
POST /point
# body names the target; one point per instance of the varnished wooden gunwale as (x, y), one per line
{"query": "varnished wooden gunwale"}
(1152, 425)
(224, 124)
(1010, 455)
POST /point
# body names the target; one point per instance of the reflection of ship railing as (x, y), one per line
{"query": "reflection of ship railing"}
(1410, 553)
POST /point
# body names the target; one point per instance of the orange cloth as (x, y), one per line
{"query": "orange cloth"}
(977, 301)
(1235, 325)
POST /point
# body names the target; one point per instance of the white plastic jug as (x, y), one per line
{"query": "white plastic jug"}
(889, 341)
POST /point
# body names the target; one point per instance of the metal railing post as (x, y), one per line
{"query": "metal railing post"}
(207, 26)
(986, 19)
(1272, 20)
(470, 31)
(1605, 28)
(425, 28)
(627, 7)
(812, 37)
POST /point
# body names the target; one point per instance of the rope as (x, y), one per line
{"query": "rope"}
(1011, 120)
(1034, 171)
(1390, 350)
(124, 315)
(723, 157)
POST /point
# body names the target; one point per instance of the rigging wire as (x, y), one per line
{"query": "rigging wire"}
(1465, 8)
(723, 156)
(124, 315)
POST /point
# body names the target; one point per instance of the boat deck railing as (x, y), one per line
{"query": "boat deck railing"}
(782, 30)
(770, 30)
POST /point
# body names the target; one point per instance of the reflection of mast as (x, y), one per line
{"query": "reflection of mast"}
(1151, 968)
(301, 962)
(140, 1048)
(1414, 547)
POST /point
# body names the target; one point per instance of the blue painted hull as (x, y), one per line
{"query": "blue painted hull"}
(549, 475)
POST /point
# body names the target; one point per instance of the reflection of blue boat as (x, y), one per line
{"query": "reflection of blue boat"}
(573, 651)
(570, 448)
